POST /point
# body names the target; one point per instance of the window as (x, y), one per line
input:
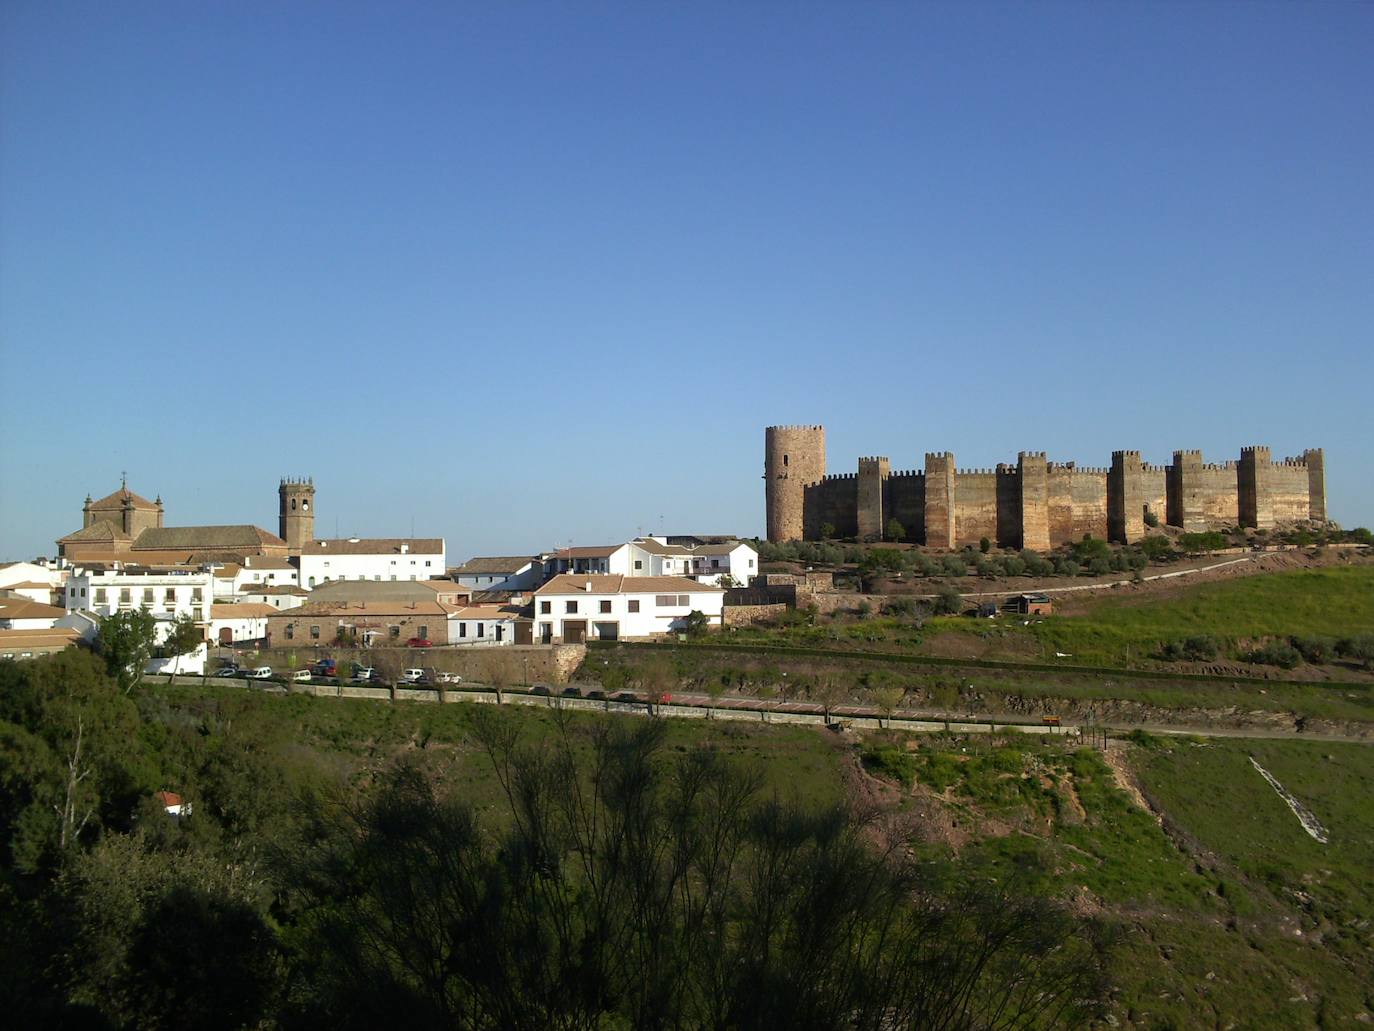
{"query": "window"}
(545, 607)
(605, 606)
(424, 633)
(784, 459)
(393, 576)
(481, 630)
(326, 566)
(100, 598)
(666, 601)
(124, 596)
(462, 630)
(570, 607)
(393, 631)
(290, 632)
(197, 614)
(426, 563)
(639, 564)
(315, 632)
(715, 563)
(196, 595)
(170, 596)
(147, 596)
(634, 605)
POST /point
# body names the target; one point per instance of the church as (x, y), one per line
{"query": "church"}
(126, 527)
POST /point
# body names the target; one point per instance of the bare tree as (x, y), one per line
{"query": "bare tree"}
(76, 773)
(657, 678)
(830, 689)
(497, 671)
(888, 698)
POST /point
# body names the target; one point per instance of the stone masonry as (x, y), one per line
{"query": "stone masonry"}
(1035, 503)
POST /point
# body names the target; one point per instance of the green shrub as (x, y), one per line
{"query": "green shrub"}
(1195, 542)
(1316, 650)
(1157, 549)
(1276, 653)
(1151, 520)
(1360, 648)
(954, 565)
(948, 602)
(891, 762)
(1191, 649)
(984, 545)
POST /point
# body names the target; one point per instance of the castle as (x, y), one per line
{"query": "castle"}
(1033, 504)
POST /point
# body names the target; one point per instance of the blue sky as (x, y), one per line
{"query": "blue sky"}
(520, 274)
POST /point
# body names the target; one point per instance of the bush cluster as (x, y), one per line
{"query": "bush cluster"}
(1191, 649)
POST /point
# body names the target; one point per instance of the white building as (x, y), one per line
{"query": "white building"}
(482, 625)
(168, 592)
(26, 614)
(655, 556)
(232, 578)
(499, 573)
(361, 558)
(573, 608)
(36, 581)
(243, 621)
(609, 559)
(281, 597)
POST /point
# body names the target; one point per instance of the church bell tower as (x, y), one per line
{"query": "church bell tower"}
(296, 519)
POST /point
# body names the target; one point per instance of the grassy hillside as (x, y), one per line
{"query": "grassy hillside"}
(1333, 602)
(1228, 912)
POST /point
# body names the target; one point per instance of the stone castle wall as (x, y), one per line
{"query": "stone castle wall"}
(1034, 503)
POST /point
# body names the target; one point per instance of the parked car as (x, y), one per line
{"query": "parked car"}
(599, 696)
(447, 678)
(302, 675)
(227, 671)
(364, 674)
(572, 692)
(626, 696)
(261, 673)
(412, 676)
(325, 668)
(419, 642)
(540, 689)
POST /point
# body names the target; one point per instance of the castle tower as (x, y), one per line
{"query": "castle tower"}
(1126, 498)
(1184, 497)
(296, 517)
(873, 474)
(1253, 480)
(940, 499)
(1033, 474)
(793, 456)
(1316, 484)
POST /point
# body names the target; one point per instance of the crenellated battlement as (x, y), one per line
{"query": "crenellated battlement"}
(1032, 502)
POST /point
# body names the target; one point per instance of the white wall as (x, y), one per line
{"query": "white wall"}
(242, 628)
(651, 619)
(470, 631)
(317, 569)
(530, 576)
(173, 594)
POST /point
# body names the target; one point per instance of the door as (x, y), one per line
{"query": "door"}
(226, 635)
(524, 632)
(574, 631)
(608, 631)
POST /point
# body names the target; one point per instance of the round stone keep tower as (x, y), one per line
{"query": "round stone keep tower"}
(793, 456)
(296, 517)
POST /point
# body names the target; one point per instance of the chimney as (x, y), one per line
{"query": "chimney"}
(405, 549)
(589, 587)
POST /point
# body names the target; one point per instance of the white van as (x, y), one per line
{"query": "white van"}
(261, 673)
(412, 676)
(301, 674)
